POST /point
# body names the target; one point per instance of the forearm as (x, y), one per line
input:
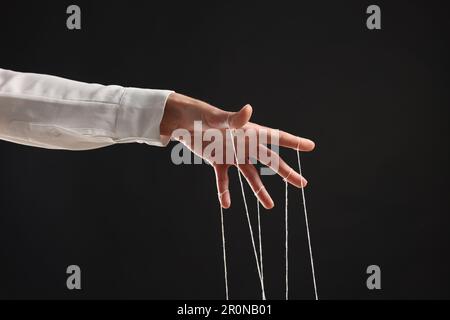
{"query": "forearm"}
(57, 113)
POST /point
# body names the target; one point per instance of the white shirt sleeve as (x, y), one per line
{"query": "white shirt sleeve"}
(56, 113)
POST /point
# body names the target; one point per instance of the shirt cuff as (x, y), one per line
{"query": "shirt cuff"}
(139, 116)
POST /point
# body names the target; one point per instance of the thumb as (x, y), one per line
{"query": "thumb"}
(239, 119)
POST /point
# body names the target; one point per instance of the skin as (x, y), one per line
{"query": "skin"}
(181, 112)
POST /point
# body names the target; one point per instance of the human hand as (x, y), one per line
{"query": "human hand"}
(181, 112)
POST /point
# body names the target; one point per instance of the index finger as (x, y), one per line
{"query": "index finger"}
(285, 139)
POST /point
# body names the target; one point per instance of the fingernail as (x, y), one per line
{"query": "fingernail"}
(270, 204)
(304, 182)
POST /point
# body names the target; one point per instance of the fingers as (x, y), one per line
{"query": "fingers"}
(222, 182)
(239, 119)
(285, 139)
(277, 164)
(251, 174)
(298, 143)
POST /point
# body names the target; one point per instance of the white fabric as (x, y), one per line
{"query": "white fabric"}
(56, 113)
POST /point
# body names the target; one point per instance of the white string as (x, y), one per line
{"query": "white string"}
(259, 264)
(260, 239)
(307, 226)
(248, 217)
(223, 246)
(286, 233)
(259, 190)
(260, 233)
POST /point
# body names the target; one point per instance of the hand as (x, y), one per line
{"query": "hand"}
(181, 112)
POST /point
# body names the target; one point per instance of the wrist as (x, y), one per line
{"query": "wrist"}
(172, 115)
(180, 112)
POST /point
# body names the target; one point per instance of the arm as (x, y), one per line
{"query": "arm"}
(56, 113)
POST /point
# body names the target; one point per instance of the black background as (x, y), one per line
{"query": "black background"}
(375, 102)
